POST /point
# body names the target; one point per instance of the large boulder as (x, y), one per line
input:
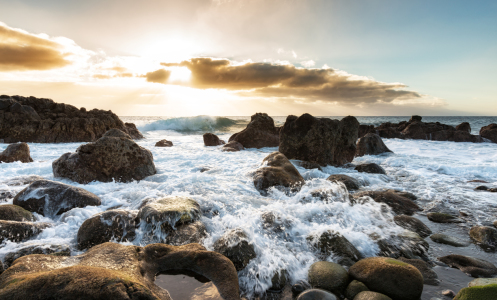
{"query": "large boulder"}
(394, 278)
(349, 182)
(259, 133)
(473, 266)
(321, 140)
(489, 132)
(50, 198)
(114, 271)
(235, 245)
(107, 159)
(430, 277)
(19, 231)
(37, 120)
(413, 224)
(186, 234)
(398, 203)
(16, 152)
(278, 172)
(328, 276)
(210, 139)
(117, 224)
(464, 126)
(406, 244)
(484, 236)
(9, 212)
(354, 288)
(371, 144)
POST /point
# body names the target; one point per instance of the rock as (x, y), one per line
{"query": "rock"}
(412, 224)
(464, 126)
(495, 223)
(430, 277)
(489, 132)
(309, 165)
(114, 132)
(486, 292)
(50, 198)
(23, 180)
(279, 172)
(278, 281)
(407, 195)
(371, 296)
(108, 159)
(18, 231)
(9, 212)
(316, 294)
(164, 143)
(371, 144)
(331, 242)
(328, 276)
(16, 152)
(186, 234)
(448, 240)
(300, 287)
(399, 204)
(370, 168)
(415, 118)
(354, 288)
(259, 133)
(438, 217)
(349, 182)
(233, 146)
(363, 130)
(116, 224)
(235, 246)
(482, 281)
(485, 237)
(320, 140)
(37, 120)
(211, 139)
(473, 266)
(114, 271)
(58, 250)
(448, 293)
(407, 244)
(394, 278)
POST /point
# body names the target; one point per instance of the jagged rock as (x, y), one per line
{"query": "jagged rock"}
(439, 217)
(328, 276)
(448, 240)
(186, 234)
(164, 143)
(470, 265)
(58, 250)
(485, 237)
(331, 242)
(50, 198)
(114, 132)
(413, 224)
(464, 126)
(320, 140)
(235, 246)
(389, 276)
(18, 231)
(10, 212)
(371, 168)
(233, 146)
(430, 277)
(259, 133)
(116, 224)
(399, 204)
(114, 271)
(38, 120)
(489, 132)
(415, 118)
(16, 152)
(368, 295)
(349, 182)
(316, 294)
(107, 159)
(354, 288)
(279, 172)
(365, 129)
(211, 139)
(371, 144)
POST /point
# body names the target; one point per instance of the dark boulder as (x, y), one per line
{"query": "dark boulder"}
(368, 295)
(415, 118)
(233, 146)
(485, 237)
(186, 234)
(473, 266)
(19, 231)
(114, 132)
(309, 165)
(489, 132)
(349, 182)
(398, 203)
(331, 242)
(464, 126)
(328, 276)
(321, 140)
(58, 250)
(407, 244)
(16, 152)
(259, 133)
(10, 212)
(371, 144)
(430, 277)
(118, 225)
(38, 120)
(354, 288)
(365, 129)
(164, 143)
(413, 224)
(211, 139)
(50, 198)
(278, 172)
(235, 245)
(370, 168)
(107, 159)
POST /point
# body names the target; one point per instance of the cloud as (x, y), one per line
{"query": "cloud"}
(22, 51)
(288, 81)
(159, 76)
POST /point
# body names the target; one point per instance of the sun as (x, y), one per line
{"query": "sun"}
(180, 74)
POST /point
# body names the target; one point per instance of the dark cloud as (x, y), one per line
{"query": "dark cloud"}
(159, 76)
(287, 81)
(21, 51)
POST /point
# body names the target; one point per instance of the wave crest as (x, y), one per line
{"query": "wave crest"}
(185, 124)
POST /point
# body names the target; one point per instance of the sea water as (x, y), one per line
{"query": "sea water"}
(437, 172)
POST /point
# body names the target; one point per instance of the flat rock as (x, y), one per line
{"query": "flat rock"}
(448, 240)
(439, 217)
(473, 266)
(413, 224)
(398, 203)
(58, 250)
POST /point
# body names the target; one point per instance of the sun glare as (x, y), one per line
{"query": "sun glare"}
(180, 74)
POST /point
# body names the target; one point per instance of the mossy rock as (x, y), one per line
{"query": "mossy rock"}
(368, 295)
(354, 288)
(485, 292)
(9, 212)
(328, 276)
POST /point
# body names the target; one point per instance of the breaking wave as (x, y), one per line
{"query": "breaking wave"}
(189, 124)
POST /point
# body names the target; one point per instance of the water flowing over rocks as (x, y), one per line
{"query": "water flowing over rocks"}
(114, 271)
(320, 140)
(211, 139)
(400, 205)
(260, 133)
(235, 245)
(50, 198)
(330, 242)
(44, 249)
(186, 234)
(472, 266)
(39, 120)
(233, 146)
(371, 168)
(16, 152)
(164, 143)
(371, 144)
(279, 172)
(413, 224)
(407, 244)
(349, 182)
(109, 158)
(18, 231)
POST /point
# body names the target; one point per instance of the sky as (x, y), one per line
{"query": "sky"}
(238, 57)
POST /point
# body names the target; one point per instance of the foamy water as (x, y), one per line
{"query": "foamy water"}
(438, 172)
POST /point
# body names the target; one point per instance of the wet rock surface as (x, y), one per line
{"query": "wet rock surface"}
(331, 242)
(472, 266)
(349, 182)
(260, 133)
(279, 172)
(235, 246)
(413, 224)
(430, 277)
(187, 234)
(354, 288)
(233, 146)
(448, 240)
(316, 294)
(58, 250)
(371, 144)
(439, 217)
(16, 152)
(328, 276)
(18, 231)
(485, 237)
(211, 139)
(370, 168)
(489, 132)
(164, 143)
(10, 212)
(399, 204)
(368, 295)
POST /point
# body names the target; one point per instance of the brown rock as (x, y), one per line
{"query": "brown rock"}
(279, 172)
(18, 231)
(430, 277)
(16, 152)
(235, 246)
(233, 146)
(164, 143)
(464, 126)
(485, 236)
(489, 132)
(349, 182)
(470, 265)
(371, 168)
(211, 139)
(398, 203)
(10, 212)
(371, 144)
(259, 133)
(413, 224)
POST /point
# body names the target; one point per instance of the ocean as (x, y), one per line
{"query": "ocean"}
(437, 172)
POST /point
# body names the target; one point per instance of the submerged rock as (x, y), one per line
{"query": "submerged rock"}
(371, 144)
(108, 159)
(371, 168)
(18, 231)
(349, 182)
(164, 143)
(211, 139)
(259, 133)
(118, 225)
(16, 152)
(235, 246)
(331, 242)
(50, 198)
(389, 276)
(279, 172)
(114, 271)
(320, 140)
(485, 237)
(489, 132)
(57, 250)
(398, 203)
(413, 224)
(473, 266)
(430, 277)
(328, 276)
(448, 240)
(10, 212)
(233, 146)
